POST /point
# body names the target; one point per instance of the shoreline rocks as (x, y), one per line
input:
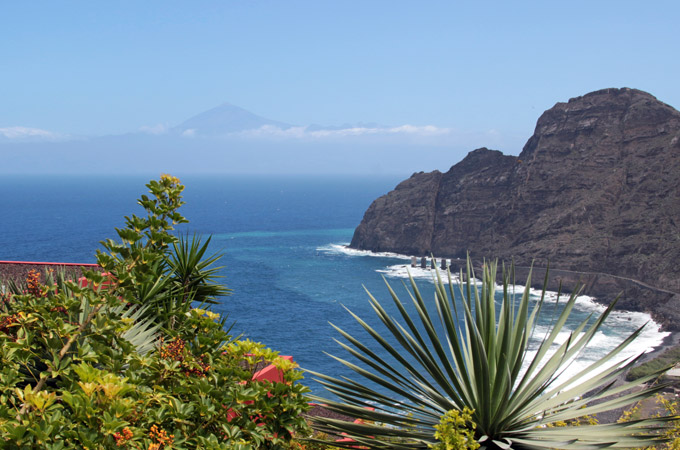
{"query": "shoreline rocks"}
(595, 194)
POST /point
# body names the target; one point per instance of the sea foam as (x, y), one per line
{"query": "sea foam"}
(629, 321)
(343, 249)
(618, 326)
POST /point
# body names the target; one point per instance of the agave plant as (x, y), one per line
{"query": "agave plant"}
(143, 333)
(187, 277)
(175, 278)
(193, 273)
(473, 355)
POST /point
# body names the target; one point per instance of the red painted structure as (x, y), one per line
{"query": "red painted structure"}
(271, 373)
(17, 271)
(49, 263)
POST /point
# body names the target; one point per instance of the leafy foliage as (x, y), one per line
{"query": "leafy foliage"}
(668, 359)
(456, 431)
(672, 433)
(125, 361)
(662, 405)
(476, 355)
(167, 274)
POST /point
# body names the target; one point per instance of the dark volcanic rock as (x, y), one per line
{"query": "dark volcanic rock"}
(403, 219)
(596, 190)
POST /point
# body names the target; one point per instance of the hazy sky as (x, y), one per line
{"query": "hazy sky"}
(97, 68)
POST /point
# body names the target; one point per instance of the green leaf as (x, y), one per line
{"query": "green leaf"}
(474, 359)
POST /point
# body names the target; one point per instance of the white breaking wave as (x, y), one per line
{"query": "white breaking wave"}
(418, 273)
(624, 322)
(600, 345)
(343, 249)
(618, 326)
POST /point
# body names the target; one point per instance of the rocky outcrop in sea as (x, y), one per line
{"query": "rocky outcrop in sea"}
(595, 192)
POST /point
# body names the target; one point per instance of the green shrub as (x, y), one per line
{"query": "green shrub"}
(662, 362)
(455, 431)
(127, 362)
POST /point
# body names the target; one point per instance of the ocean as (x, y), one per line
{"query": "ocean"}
(283, 241)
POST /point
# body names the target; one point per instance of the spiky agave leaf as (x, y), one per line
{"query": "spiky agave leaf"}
(194, 274)
(470, 355)
(143, 332)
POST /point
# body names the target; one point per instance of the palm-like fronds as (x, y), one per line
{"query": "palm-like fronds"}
(143, 333)
(183, 278)
(193, 273)
(467, 354)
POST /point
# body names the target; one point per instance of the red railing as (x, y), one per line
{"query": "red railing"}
(41, 263)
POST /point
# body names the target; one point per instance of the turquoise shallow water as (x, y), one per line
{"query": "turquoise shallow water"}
(281, 239)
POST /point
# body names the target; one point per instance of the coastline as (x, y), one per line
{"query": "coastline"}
(633, 295)
(669, 339)
(669, 342)
(600, 288)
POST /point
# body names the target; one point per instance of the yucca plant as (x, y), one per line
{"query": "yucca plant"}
(193, 273)
(186, 278)
(170, 274)
(473, 356)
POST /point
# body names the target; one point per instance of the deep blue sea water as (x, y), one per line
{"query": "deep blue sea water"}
(281, 238)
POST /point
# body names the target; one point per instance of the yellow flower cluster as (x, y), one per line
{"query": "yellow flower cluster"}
(456, 431)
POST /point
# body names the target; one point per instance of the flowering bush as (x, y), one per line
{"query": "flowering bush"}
(455, 431)
(91, 365)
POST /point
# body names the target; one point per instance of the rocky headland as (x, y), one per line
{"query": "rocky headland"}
(595, 193)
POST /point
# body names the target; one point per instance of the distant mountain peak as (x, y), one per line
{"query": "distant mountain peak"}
(224, 119)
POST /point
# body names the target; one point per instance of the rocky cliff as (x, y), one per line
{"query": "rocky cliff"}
(596, 190)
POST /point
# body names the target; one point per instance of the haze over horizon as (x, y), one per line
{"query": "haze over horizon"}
(307, 87)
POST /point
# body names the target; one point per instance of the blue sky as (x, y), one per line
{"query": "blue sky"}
(482, 68)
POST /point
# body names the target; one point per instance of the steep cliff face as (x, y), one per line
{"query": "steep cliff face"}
(404, 218)
(595, 189)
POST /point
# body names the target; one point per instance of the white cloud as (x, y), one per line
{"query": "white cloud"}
(27, 133)
(155, 129)
(411, 135)
(427, 130)
(269, 131)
